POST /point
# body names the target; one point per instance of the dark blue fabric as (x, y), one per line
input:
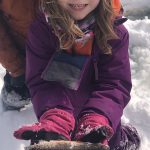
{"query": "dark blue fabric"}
(73, 59)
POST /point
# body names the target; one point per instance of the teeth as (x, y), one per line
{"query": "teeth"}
(78, 5)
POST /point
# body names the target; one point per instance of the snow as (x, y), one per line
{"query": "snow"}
(136, 4)
(137, 112)
(138, 8)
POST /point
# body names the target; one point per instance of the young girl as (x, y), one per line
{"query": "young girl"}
(78, 73)
(15, 18)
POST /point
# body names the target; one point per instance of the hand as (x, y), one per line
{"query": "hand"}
(94, 128)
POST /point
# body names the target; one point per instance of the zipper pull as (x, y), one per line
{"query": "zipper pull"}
(95, 68)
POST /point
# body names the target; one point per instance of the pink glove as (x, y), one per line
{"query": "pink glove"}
(94, 128)
(53, 120)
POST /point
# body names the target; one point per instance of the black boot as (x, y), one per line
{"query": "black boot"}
(15, 94)
(130, 139)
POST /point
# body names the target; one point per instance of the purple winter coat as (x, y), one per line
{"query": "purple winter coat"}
(108, 96)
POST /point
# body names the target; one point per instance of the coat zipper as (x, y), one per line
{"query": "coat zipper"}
(95, 67)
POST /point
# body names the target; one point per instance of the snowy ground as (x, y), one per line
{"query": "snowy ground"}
(137, 112)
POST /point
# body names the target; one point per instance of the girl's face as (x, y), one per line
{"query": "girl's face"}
(79, 9)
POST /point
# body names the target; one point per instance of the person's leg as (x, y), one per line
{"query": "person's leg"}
(14, 93)
(10, 57)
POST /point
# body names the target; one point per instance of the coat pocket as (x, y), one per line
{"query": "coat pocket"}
(67, 69)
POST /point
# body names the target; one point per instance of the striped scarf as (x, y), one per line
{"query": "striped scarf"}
(83, 45)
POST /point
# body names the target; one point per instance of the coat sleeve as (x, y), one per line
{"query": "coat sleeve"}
(40, 48)
(112, 91)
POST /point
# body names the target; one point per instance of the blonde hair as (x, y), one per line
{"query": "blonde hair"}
(103, 28)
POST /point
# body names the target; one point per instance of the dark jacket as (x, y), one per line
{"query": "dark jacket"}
(108, 96)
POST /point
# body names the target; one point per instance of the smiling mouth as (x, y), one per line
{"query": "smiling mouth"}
(78, 6)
